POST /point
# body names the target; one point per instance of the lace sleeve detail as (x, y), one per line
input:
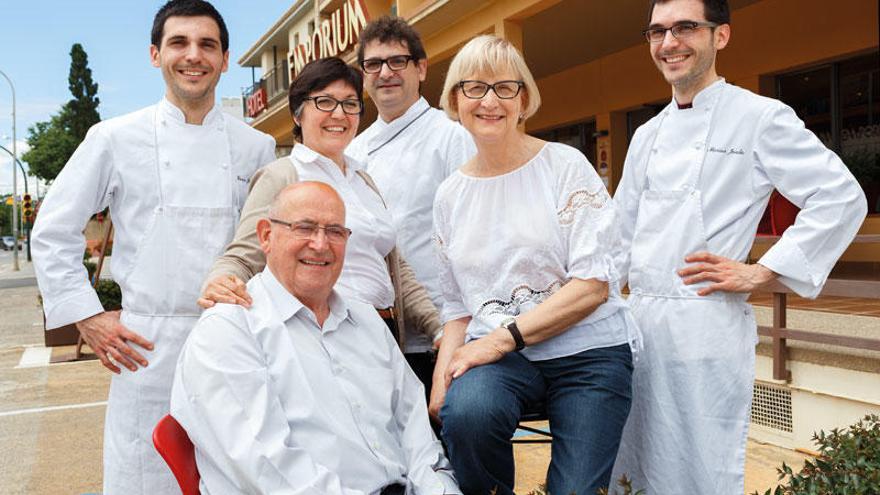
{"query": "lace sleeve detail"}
(586, 218)
(579, 199)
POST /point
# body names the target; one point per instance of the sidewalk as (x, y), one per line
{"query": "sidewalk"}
(52, 415)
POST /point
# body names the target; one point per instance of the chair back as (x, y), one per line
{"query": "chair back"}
(174, 445)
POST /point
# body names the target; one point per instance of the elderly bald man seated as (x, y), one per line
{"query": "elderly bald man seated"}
(304, 392)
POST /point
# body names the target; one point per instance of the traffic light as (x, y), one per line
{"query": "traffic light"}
(27, 208)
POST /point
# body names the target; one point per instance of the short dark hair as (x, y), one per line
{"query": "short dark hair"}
(391, 28)
(187, 8)
(317, 75)
(717, 11)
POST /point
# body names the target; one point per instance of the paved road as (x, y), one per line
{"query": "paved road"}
(17, 282)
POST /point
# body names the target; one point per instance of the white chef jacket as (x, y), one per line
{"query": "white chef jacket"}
(365, 274)
(115, 166)
(507, 243)
(757, 144)
(408, 158)
(274, 403)
(175, 192)
(687, 429)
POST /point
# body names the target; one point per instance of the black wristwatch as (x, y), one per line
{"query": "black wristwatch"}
(510, 325)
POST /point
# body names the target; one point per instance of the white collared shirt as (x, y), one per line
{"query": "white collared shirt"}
(274, 403)
(364, 275)
(408, 158)
(756, 144)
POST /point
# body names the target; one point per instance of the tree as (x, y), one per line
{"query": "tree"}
(54, 141)
(83, 108)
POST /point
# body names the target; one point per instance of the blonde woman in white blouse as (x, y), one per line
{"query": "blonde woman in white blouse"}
(532, 311)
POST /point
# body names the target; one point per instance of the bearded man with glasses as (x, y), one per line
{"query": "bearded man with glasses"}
(695, 184)
(409, 150)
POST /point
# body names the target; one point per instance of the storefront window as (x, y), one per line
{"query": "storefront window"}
(809, 94)
(840, 103)
(579, 136)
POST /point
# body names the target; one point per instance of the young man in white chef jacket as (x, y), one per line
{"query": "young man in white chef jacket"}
(696, 181)
(409, 150)
(175, 176)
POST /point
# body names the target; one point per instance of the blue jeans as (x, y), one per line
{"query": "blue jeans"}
(588, 397)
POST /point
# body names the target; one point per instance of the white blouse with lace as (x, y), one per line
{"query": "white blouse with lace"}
(506, 243)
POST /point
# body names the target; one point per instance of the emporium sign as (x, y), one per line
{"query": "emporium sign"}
(333, 36)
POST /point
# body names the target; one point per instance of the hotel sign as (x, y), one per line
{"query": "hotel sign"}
(333, 36)
(256, 102)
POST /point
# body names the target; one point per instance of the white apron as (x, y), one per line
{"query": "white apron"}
(159, 301)
(692, 387)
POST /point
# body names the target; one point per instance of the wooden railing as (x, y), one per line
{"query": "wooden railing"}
(780, 333)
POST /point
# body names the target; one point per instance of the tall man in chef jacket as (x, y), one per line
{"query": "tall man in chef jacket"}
(695, 183)
(409, 150)
(175, 176)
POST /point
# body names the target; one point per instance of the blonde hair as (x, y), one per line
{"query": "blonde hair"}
(487, 55)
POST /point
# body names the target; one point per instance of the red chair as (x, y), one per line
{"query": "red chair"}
(782, 213)
(173, 444)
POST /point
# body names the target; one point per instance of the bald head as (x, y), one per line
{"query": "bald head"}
(299, 252)
(306, 191)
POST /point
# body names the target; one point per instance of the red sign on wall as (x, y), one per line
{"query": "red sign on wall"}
(257, 102)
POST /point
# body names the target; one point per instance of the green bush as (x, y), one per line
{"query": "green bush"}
(90, 267)
(848, 463)
(109, 294)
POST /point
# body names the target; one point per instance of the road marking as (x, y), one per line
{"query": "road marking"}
(38, 410)
(35, 356)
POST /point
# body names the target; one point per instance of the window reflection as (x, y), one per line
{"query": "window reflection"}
(849, 123)
(579, 136)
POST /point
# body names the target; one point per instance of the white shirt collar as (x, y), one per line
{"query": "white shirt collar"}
(705, 98)
(170, 111)
(303, 154)
(287, 305)
(411, 113)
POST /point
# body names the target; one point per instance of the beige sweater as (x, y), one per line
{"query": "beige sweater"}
(244, 258)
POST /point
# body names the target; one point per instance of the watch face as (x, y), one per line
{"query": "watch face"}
(507, 321)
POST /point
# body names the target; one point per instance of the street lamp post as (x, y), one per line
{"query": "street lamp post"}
(14, 181)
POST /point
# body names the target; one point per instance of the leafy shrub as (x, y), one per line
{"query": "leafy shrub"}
(90, 267)
(848, 463)
(109, 294)
(625, 484)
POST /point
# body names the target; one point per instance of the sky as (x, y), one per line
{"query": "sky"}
(35, 41)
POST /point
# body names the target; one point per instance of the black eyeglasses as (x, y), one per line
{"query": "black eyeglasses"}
(328, 104)
(395, 63)
(336, 234)
(679, 30)
(503, 89)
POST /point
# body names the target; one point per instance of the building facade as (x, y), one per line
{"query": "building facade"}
(597, 80)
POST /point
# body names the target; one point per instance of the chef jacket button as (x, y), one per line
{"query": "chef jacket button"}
(224, 165)
(654, 150)
(698, 145)
(167, 163)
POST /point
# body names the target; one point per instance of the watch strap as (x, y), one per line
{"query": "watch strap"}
(511, 327)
